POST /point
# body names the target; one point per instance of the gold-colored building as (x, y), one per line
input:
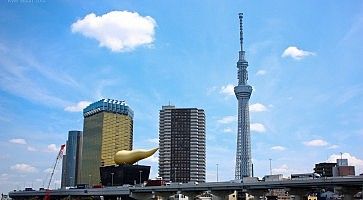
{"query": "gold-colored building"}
(107, 129)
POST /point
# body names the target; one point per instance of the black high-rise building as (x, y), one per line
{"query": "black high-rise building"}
(182, 144)
(324, 169)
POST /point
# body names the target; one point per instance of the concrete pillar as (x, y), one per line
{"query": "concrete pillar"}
(221, 195)
(257, 193)
(164, 195)
(299, 194)
(348, 193)
(191, 195)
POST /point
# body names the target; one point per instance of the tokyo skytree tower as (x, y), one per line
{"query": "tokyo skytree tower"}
(243, 93)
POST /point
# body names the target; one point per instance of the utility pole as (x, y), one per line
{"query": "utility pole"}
(217, 172)
(112, 178)
(89, 180)
(140, 176)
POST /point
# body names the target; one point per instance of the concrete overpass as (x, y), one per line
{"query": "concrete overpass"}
(348, 186)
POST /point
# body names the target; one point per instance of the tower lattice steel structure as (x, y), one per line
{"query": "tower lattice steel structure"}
(243, 93)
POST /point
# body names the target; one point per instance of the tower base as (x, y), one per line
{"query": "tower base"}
(118, 175)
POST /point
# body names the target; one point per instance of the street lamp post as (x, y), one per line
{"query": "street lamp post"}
(89, 181)
(140, 175)
(217, 172)
(112, 178)
(70, 181)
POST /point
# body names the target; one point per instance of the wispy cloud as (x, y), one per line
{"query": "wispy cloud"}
(152, 159)
(49, 170)
(117, 30)
(257, 127)
(153, 140)
(227, 120)
(334, 146)
(349, 93)
(17, 71)
(227, 90)
(355, 30)
(283, 169)
(23, 168)
(316, 143)
(296, 53)
(261, 72)
(30, 148)
(211, 90)
(278, 148)
(18, 141)
(257, 107)
(78, 107)
(228, 130)
(52, 148)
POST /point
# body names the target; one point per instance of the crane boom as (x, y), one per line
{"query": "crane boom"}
(59, 156)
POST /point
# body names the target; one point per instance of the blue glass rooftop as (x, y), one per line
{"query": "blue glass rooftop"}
(108, 105)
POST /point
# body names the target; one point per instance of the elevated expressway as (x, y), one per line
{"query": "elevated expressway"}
(348, 186)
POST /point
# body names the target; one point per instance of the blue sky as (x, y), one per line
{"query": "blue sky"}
(305, 66)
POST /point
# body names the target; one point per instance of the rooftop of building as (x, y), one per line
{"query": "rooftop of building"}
(174, 108)
(108, 105)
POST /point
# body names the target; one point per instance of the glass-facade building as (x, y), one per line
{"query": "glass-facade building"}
(108, 128)
(70, 166)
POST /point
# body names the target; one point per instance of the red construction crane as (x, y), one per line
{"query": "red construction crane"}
(59, 157)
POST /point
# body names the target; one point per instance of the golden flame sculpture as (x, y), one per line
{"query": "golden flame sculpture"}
(130, 157)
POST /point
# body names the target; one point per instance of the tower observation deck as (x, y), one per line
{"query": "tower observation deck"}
(243, 93)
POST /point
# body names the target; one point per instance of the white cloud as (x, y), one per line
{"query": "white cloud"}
(284, 169)
(23, 168)
(18, 141)
(211, 90)
(296, 53)
(153, 140)
(257, 107)
(78, 107)
(352, 160)
(29, 148)
(153, 159)
(228, 130)
(119, 31)
(48, 170)
(278, 148)
(52, 148)
(315, 143)
(334, 146)
(227, 120)
(227, 90)
(261, 72)
(258, 127)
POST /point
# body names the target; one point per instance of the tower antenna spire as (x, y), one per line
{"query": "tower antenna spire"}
(241, 29)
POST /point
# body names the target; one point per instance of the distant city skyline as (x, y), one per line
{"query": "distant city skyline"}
(307, 103)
